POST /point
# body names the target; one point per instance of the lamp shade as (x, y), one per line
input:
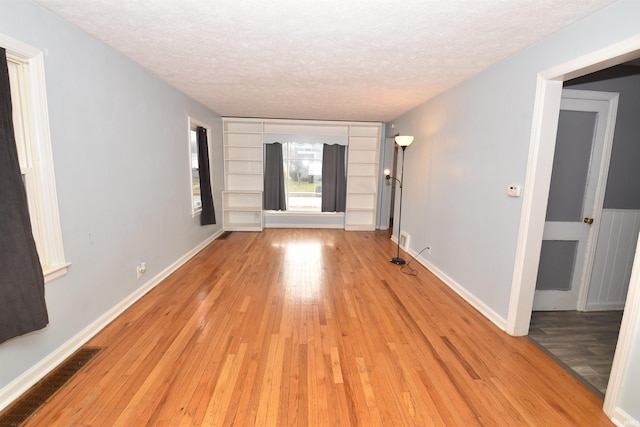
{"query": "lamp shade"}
(404, 140)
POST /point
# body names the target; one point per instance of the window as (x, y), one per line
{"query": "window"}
(303, 175)
(33, 141)
(196, 199)
(194, 172)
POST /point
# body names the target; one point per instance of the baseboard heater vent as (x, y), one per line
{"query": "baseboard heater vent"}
(404, 240)
(27, 404)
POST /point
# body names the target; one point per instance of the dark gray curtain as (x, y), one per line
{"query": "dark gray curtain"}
(334, 178)
(208, 214)
(22, 303)
(273, 196)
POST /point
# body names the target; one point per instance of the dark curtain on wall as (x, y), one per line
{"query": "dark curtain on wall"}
(22, 303)
(208, 214)
(334, 178)
(273, 197)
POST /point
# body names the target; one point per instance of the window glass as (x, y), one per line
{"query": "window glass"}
(303, 175)
(196, 200)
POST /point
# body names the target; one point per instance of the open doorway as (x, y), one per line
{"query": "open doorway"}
(545, 123)
(582, 334)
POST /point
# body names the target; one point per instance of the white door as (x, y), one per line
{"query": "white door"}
(578, 179)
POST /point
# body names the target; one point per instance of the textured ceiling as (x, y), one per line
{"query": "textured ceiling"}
(318, 59)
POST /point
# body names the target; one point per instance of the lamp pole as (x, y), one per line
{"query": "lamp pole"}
(397, 259)
(403, 142)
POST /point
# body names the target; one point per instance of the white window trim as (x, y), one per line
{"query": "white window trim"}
(191, 124)
(54, 263)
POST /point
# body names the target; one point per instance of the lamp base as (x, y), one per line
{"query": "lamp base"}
(398, 261)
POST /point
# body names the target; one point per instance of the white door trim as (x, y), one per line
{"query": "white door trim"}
(538, 174)
(534, 204)
(628, 330)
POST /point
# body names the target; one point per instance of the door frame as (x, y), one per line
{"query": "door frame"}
(386, 191)
(611, 98)
(534, 204)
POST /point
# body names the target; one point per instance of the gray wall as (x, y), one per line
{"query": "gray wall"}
(471, 142)
(121, 158)
(623, 184)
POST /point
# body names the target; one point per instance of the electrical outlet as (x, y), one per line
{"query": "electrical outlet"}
(141, 269)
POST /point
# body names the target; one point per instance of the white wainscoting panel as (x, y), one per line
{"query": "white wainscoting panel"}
(613, 260)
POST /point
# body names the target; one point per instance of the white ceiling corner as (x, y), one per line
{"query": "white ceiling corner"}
(368, 60)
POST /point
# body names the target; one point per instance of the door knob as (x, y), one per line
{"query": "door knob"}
(588, 221)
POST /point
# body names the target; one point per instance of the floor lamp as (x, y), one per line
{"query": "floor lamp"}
(403, 141)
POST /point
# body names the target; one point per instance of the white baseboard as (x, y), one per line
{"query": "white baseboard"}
(605, 306)
(17, 387)
(622, 419)
(485, 310)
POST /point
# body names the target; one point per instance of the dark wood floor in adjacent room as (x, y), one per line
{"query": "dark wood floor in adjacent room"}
(584, 342)
(313, 328)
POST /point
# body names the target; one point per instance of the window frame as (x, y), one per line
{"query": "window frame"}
(287, 159)
(193, 124)
(38, 168)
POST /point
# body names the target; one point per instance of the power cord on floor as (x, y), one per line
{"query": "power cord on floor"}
(408, 270)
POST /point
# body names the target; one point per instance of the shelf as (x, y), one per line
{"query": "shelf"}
(360, 185)
(247, 220)
(233, 153)
(242, 198)
(243, 209)
(243, 192)
(363, 142)
(243, 139)
(243, 227)
(244, 201)
(243, 157)
(363, 156)
(243, 166)
(244, 173)
(364, 131)
(242, 126)
(362, 178)
(360, 218)
(250, 182)
(362, 201)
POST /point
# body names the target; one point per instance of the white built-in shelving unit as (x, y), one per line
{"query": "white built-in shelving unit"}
(243, 166)
(242, 197)
(362, 176)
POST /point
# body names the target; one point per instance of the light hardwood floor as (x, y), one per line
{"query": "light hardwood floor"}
(313, 328)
